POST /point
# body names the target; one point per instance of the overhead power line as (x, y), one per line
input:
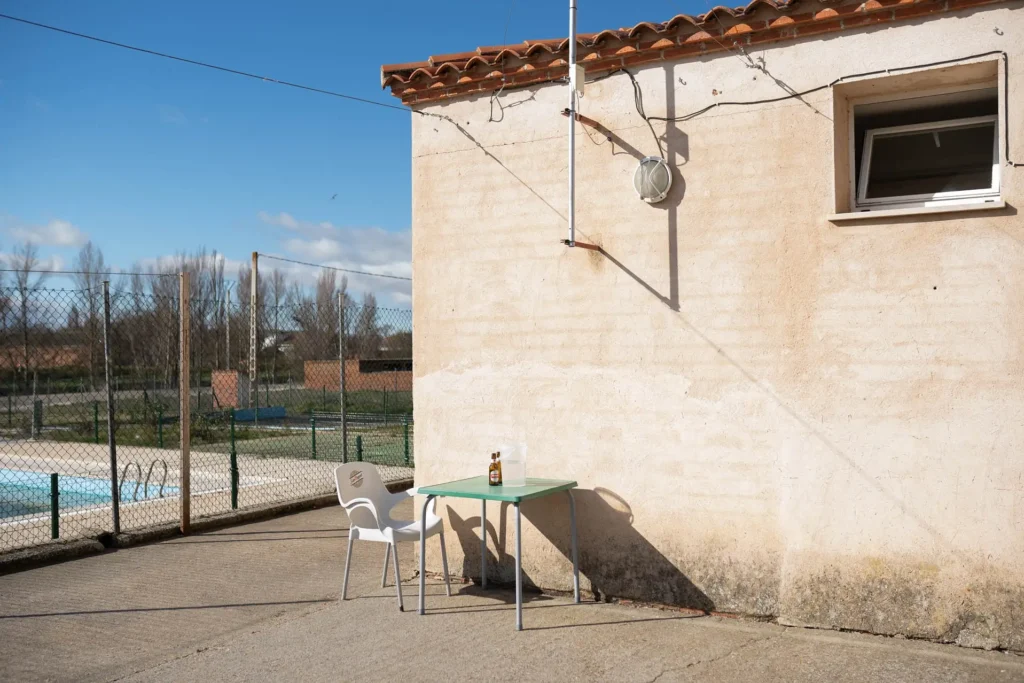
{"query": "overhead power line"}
(118, 273)
(340, 270)
(207, 65)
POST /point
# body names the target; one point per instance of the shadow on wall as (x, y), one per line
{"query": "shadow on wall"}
(616, 559)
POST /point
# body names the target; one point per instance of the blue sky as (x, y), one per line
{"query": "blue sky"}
(148, 157)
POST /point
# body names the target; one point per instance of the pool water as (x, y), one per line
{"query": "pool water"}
(24, 492)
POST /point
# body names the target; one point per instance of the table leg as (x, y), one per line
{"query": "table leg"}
(423, 554)
(519, 571)
(575, 554)
(483, 544)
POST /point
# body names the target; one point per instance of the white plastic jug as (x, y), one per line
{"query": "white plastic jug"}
(513, 464)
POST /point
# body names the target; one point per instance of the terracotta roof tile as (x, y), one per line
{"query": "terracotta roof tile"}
(536, 61)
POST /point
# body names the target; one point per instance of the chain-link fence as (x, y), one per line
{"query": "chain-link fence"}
(264, 428)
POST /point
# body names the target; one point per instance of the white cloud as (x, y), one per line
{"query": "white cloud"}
(56, 233)
(369, 250)
(282, 219)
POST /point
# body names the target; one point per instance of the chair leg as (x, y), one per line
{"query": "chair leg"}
(444, 563)
(398, 578)
(348, 563)
(384, 576)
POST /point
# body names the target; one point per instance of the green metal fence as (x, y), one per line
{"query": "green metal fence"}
(263, 429)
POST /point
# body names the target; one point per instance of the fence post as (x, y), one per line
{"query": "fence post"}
(385, 406)
(160, 425)
(359, 448)
(54, 506)
(111, 439)
(185, 410)
(341, 376)
(37, 418)
(312, 431)
(96, 421)
(405, 429)
(234, 465)
(9, 416)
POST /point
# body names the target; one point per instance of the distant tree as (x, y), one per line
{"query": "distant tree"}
(74, 321)
(367, 333)
(89, 264)
(27, 281)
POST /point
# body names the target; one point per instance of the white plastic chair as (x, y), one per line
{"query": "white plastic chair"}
(368, 504)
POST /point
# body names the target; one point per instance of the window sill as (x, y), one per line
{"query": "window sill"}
(915, 211)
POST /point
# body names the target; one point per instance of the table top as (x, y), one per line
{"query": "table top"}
(480, 489)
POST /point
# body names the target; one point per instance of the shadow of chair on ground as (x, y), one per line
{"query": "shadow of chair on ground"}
(616, 559)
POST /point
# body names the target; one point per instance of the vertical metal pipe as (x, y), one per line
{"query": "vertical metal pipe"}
(96, 421)
(227, 329)
(405, 429)
(312, 431)
(54, 506)
(572, 123)
(185, 410)
(423, 554)
(160, 426)
(234, 464)
(519, 570)
(341, 376)
(575, 552)
(359, 448)
(37, 418)
(385, 406)
(111, 438)
(483, 544)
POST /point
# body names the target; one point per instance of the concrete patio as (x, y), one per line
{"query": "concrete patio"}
(260, 602)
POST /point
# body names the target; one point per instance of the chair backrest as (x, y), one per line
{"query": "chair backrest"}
(357, 480)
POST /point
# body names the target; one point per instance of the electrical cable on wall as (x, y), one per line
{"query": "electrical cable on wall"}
(638, 97)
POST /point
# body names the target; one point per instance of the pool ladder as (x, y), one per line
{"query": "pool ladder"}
(140, 482)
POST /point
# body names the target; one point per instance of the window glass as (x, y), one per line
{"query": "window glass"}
(931, 161)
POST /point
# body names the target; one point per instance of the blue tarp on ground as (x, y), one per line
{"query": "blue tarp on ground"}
(268, 413)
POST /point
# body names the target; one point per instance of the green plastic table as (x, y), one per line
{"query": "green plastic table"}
(479, 488)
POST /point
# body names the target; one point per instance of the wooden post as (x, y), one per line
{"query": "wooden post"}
(341, 377)
(185, 410)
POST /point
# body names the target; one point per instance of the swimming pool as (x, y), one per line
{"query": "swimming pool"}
(26, 492)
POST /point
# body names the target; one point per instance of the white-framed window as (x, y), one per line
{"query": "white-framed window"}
(927, 151)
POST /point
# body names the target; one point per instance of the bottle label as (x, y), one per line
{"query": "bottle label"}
(494, 477)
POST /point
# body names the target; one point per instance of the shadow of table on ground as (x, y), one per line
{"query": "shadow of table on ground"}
(618, 561)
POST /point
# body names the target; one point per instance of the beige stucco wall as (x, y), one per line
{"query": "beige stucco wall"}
(766, 412)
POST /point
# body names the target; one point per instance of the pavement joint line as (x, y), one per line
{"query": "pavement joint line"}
(218, 643)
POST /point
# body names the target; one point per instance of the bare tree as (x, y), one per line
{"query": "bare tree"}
(317, 315)
(24, 262)
(367, 334)
(89, 264)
